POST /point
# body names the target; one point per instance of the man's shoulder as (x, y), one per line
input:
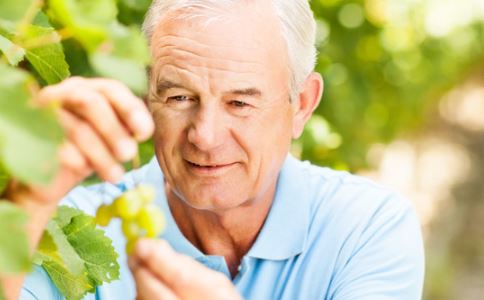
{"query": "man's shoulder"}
(343, 201)
(334, 187)
(356, 220)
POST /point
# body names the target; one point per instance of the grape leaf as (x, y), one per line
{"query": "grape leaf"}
(130, 43)
(70, 230)
(29, 136)
(142, 5)
(14, 250)
(64, 215)
(71, 286)
(41, 19)
(12, 52)
(124, 56)
(87, 20)
(94, 248)
(47, 58)
(65, 250)
(14, 10)
(125, 70)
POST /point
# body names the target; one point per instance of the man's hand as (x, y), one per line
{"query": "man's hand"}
(161, 273)
(103, 121)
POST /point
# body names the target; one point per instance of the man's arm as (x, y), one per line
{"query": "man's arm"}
(388, 261)
(102, 121)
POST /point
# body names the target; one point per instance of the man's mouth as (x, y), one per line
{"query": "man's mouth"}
(211, 169)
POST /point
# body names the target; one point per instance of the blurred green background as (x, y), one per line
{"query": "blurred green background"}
(404, 105)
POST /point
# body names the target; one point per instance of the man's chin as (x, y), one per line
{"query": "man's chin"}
(214, 204)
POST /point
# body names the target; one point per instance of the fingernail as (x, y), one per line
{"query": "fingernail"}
(143, 248)
(143, 125)
(116, 173)
(127, 149)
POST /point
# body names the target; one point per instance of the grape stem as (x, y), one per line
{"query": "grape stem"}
(136, 162)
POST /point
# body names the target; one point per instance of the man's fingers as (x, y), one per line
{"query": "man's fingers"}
(71, 157)
(149, 287)
(176, 270)
(103, 118)
(130, 108)
(91, 146)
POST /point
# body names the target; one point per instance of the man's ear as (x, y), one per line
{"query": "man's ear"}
(307, 101)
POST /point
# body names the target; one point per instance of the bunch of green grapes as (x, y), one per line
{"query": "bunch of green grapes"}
(139, 216)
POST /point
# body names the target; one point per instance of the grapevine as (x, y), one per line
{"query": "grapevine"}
(139, 216)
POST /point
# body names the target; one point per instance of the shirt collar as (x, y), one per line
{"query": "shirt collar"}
(172, 233)
(284, 232)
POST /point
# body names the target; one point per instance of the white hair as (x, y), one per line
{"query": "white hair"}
(297, 25)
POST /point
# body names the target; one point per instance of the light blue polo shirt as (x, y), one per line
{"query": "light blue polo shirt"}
(328, 235)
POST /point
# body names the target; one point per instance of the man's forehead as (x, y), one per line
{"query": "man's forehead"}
(236, 52)
(242, 19)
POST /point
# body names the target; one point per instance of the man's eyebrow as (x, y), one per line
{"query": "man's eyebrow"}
(165, 85)
(247, 92)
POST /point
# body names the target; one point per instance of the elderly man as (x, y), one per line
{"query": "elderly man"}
(232, 84)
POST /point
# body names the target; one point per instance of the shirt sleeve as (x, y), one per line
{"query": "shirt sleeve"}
(388, 259)
(38, 286)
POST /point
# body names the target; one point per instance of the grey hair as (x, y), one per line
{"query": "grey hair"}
(297, 25)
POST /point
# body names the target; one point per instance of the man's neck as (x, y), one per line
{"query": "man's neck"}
(230, 234)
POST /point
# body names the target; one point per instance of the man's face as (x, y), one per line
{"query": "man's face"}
(221, 106)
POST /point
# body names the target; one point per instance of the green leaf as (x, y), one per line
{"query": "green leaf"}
(69, 256)
(87, 20)
(14, 10)
(94, 248)
(130, 73)
(71, 286)
(14, 248)
(142, 5)
(29, 136)
(123, 57)
(72, 235)
(46, 54)
(64, 215)
(41, 19)
(128, 42)
(12, 52)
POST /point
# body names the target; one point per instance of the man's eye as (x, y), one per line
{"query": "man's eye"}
(179, 98)
(238, 103)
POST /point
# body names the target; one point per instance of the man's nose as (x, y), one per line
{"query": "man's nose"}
(206, 130)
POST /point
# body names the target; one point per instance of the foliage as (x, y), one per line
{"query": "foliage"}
(385, 63)
(76, 255)
(96, 43)
(23, 128)
(41, 43)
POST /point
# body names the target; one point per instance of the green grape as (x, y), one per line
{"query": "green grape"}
(146, 193)
(104, 215)
(139, 216)
(128, 205)
(131, 229)
(130, 243)
(151, 219)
